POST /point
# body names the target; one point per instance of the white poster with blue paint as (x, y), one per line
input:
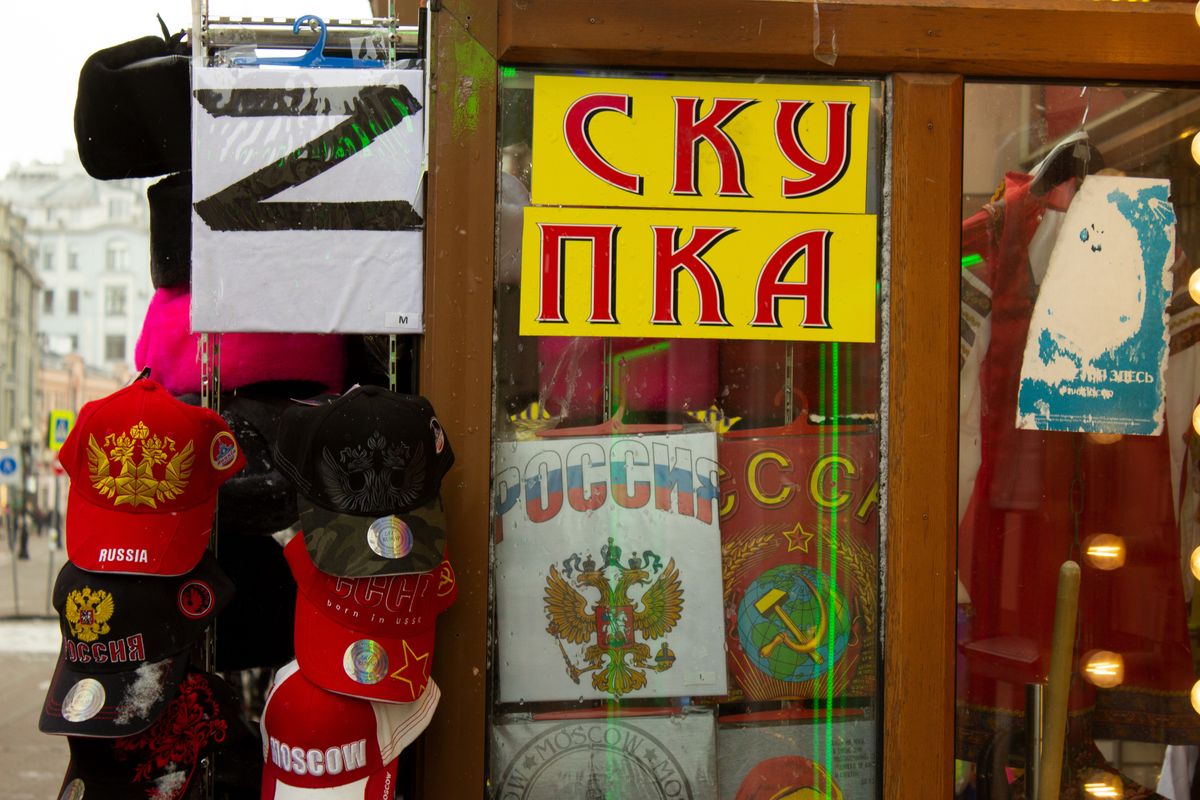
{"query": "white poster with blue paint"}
(1096, 354)
(608, 568)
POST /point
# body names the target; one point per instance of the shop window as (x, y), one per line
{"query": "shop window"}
(686, 476)
(73, 302)
(114, 347)
(1078, 383)
(114, 301)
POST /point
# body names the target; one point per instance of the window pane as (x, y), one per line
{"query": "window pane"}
(686, 562)
(114, 301)
(114, 348)
(1078, 382)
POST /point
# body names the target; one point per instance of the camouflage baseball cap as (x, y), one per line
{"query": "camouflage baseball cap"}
(367, 467)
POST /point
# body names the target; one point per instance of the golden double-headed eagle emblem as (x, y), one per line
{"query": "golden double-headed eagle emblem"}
(617, 661)
(88, 613)
(139, 454)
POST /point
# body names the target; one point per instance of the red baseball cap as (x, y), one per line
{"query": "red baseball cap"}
(370, 638)
(145, 469)
(322, 746)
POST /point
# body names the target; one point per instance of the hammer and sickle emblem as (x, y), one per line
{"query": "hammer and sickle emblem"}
(791, 637)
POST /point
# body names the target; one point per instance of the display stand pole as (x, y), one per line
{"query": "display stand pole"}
(1058, 688)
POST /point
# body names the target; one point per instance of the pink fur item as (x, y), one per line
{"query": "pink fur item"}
(172, 351)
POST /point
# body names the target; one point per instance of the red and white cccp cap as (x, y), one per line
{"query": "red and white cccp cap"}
(370, 638)
(318, 745)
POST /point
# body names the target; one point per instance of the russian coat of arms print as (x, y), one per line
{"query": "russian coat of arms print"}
(608, 552)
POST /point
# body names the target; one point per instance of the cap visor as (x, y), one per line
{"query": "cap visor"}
(379, 785)
(109, 540)
(113, 704)
(100, 787)
(388, 670)
(354, 546)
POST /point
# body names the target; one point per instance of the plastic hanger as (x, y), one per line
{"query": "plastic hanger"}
(315, 57)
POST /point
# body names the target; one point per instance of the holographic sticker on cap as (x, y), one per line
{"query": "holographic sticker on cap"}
(72, 791)
(390, 537)
(365, 662)
(83, 701)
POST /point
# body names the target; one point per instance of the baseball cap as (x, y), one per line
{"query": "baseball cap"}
(259, 500)
(145, 469)
(323, 746)
(367, 466)
(159, 762)
(126, 639)
(368, 637)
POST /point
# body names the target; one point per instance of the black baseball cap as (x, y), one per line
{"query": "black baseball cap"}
(368, 466)
(125, 645)
(204, 717)
(258, 500)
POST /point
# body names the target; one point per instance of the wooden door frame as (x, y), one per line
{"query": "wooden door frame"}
(926, 50)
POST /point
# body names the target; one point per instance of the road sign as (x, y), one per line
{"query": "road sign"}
(10, 470)
(61, 422)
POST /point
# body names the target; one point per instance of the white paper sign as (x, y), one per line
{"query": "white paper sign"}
(1096, 352)
(608, 573)
(306, 210)
(660, 757)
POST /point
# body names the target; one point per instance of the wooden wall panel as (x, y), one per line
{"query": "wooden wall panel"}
(1057, 39)
(918, 731)
(456, 375)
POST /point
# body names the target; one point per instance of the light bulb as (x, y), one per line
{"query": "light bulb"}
(1196, 148)
(1104, 668)
(1105, 438)
(1105, 551)
(1101, 784)
(1198, 13)
(1196, 696)
(1196, 419)
(1194, 561)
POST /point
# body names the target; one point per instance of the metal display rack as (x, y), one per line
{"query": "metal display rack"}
(343, 36)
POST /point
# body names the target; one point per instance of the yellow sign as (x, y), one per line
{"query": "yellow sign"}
(61, 422)
(700, 144)
(690, 275)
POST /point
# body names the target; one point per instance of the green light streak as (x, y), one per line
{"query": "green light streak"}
(971, 259)
(833, 554)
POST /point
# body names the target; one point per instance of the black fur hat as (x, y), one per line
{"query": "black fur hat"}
(133, 110)
(171, 231)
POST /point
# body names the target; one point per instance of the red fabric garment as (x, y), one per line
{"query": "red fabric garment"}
(1021, 524)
